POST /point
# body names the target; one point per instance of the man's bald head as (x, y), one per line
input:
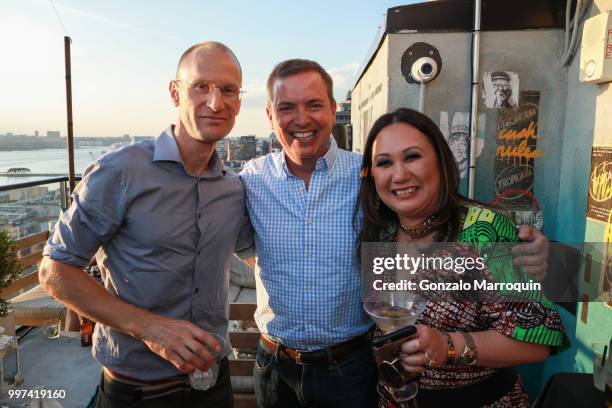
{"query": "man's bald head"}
(206, 113)
(206, 45)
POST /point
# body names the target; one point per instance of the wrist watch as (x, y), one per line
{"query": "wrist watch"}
(451, 354)
(469, 356)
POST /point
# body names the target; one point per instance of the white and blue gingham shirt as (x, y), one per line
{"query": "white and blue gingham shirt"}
(308, 286)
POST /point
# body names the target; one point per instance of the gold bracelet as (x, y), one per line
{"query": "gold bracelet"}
(469, 357)
(451, 354)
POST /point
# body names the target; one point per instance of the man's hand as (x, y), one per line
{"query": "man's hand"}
(180, 342)
(252, 261)
(534, 252)
(499, 100)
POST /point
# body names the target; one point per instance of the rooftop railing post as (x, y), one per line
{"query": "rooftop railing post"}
(64, 195)
(69, 113)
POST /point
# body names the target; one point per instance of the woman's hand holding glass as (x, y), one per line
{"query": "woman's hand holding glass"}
(427, 349)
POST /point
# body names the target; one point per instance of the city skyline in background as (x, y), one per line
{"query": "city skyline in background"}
(125, 54)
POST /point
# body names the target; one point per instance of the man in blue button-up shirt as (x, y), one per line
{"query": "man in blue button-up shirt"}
(164, 217)
(314, 349)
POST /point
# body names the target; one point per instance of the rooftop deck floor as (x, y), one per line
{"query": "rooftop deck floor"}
(62, 364)
(56, 364)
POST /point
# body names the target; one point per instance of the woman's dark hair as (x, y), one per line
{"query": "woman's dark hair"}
(378, 220)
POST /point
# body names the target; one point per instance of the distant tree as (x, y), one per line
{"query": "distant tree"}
(18, 170)
(10, 267)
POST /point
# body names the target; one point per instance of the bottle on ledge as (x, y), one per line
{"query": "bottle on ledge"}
(87, 327)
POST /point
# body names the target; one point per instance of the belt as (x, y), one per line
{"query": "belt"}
(476, 395)
(134, 381)
(149, 389)
(324, 356)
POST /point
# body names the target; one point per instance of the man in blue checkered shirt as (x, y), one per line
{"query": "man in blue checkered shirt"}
(315, 349)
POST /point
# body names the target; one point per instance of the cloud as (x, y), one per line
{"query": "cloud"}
(255, 92)
(114, 23)
(343, 77)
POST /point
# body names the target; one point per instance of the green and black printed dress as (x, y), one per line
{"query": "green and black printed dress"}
(531, 321)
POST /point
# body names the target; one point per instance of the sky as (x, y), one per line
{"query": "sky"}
(124, 53)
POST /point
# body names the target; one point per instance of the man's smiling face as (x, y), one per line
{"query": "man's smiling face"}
(302, 116)
(207, 117)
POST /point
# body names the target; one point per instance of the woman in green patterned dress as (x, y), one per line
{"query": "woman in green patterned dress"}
(465, 350)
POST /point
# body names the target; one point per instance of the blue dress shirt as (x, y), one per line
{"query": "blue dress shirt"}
(163, 238)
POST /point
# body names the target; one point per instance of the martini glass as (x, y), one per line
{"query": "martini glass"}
(392, 311)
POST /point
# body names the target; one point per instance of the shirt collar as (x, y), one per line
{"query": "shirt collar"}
(327, 161)
(215, 167)
(332, 152)
(166, 149)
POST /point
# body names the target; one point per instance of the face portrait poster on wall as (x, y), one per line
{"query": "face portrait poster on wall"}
(516, 150)
(599, 202)
(500, 89)
(457, 135)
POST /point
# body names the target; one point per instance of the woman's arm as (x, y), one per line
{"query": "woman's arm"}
(494, 350)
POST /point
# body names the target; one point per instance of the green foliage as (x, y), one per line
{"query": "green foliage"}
(10, 268)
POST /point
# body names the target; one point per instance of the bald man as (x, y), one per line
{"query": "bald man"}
(161, 217)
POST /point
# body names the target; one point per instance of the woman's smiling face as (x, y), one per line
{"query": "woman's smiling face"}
(406, 172)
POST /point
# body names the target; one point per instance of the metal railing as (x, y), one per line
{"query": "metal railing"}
(63, 181)
(30, 207)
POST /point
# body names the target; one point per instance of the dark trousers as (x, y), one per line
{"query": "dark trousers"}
(282, 383)
(116, 394)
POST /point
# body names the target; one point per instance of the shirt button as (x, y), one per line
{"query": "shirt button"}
(199, 251)
(199, 216)
(196, 290)
(309, 221)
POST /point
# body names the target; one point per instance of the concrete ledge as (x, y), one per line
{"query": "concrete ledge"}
(36, 308)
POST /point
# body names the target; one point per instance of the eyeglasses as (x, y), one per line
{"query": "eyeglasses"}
(205, 88)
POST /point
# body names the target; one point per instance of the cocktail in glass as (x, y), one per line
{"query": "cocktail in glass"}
(392, 311)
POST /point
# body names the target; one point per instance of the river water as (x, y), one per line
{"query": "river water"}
(47, 161)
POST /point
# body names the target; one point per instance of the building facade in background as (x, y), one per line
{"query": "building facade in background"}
(343, 130)
(542, 157)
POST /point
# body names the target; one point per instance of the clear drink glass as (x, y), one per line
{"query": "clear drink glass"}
(203, 380)
(53, 328)
(391, 311)
(394, 310)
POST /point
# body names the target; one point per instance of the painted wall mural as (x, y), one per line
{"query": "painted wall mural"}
(500, 89)
(516, 150)
(458, 137)
(459, 140)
